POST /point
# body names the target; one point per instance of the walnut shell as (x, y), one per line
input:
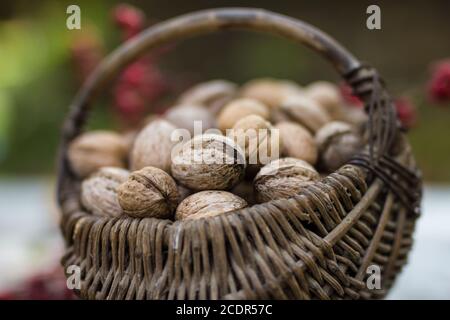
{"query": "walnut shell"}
(93, 150)
(354, 116)
(186, 116)
(306, 111)
(337, 143)
(283, 178)
(257, 138)
(278, 115)
(269, 91)
(209, 162)
(208, 204)
(99, 191)
(209, 93)
(238, 109)
(330, 130)
(149, 192)
(327, 95)
(153, 146)
(297, 142)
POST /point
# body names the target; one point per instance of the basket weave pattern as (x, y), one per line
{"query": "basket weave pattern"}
(315, 245)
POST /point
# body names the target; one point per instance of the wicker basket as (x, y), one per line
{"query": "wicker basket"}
(315, 245)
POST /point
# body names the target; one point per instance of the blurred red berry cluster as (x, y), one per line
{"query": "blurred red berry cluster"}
(129, 19)
(140, 84)
(406, 112)
(439, 85)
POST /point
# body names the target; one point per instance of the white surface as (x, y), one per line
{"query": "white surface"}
(29, 239)
(427, 275)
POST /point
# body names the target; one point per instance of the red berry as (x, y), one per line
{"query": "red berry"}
(406, 112)
(128, 101)
(349, 97)
(134, 74)
(130, 19)
(439, 85)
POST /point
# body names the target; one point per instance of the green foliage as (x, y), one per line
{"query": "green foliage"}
(37, 85)
(431, 143)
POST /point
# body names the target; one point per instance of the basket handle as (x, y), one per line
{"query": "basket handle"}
(364, 80)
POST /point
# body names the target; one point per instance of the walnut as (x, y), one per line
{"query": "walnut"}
(99, 191)
(209, 162)
(153, 146)
(211, 94)
(149, 192)
(337, 142)
(328, 96)
(257, 137)
(185, 116)
(270, 91)
(208, 204)
(283, 178)
(93, 150)
(238, 109)
(297, 142)
(305, 111)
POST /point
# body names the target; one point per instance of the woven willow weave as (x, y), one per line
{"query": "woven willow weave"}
(315, 245)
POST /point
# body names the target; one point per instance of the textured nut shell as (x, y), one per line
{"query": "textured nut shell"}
(149, 192)
(297, 142)
(208, 204)
(209, 162)
(238, 109)
(256, 136)
(331, 130)
(269, 91)
(339, 150)
(305, 111)
(99, 191)
(153, 146)
(277, 115)
(327, 95)
(208, 93)
(93, 150)
(283, 178)
(185, 115)
(354, 116)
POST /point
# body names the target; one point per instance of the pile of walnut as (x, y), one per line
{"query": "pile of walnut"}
(150, 174)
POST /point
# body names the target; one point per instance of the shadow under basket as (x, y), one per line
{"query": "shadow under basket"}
(323, 243)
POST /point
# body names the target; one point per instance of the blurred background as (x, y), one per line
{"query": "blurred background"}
(42, 64)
